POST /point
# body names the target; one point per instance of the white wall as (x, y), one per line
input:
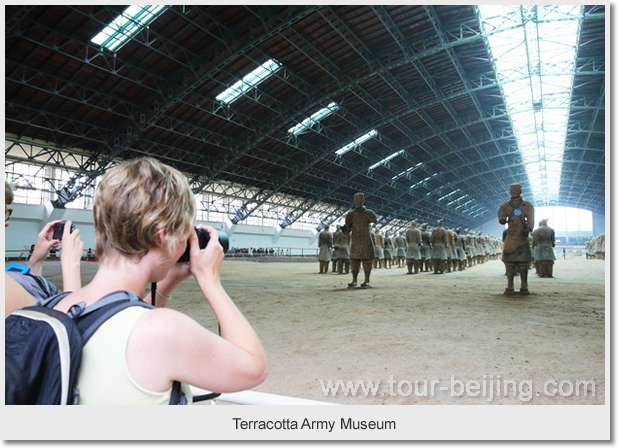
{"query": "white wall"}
(493, 227)
(598, 224)
(28, 220)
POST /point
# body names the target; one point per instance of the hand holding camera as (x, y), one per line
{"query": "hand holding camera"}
(203, 236)
(205, 257)
(49, 238)
(59, 229)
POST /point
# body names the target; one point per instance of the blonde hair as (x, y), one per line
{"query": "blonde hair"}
(138, 199)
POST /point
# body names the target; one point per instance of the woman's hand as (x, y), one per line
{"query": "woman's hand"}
(206, 263)
(70, 258)
(44, 243)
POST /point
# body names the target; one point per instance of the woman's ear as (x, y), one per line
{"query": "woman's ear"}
(162, 235)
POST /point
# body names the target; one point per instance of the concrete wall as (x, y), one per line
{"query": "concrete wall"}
(493, 227)
(28, 220)
(598, 224)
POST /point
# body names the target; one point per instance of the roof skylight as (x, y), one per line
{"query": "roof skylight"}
(534, 49)
(313, 119)
(132, 20)
(408, 171)
(251, 80)
(457, 200)
(386, 159)
(424, 181)
(359, 141)
(449, 194)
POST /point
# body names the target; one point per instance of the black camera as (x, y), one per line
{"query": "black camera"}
(59, 230)
(203, 237)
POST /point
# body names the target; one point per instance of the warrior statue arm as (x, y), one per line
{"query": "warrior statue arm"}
(503, 214)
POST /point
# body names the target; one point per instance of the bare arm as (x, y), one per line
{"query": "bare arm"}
(167, 345)
(70, 258)
(234, 327)
(15, 296)
(44, 243)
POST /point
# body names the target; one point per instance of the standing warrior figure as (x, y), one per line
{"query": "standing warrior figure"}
(325, 243)
(414, 238)
(426, 249)
(544, 240)
(401, 248)
(336, 251)
(439, 242)
(388, 250)
(450, 250)
(362, 249)
(379, 252)
(343, 259)
(460, 249)
(519, 217)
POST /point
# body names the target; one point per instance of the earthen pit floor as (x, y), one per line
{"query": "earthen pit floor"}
(415, 329)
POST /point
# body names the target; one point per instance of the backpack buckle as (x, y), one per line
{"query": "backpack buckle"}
(77, 309)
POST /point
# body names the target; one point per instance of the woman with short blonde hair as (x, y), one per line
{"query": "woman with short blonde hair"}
(143, 215)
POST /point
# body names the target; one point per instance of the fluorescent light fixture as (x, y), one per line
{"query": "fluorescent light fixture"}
(132, 20)
(534, 49)
(448, 195)
(313, 119)
(427, 179)
(457, 200)
(251, 80)
(409, 170)
(383, 161)
(463, 205)
(360, 140)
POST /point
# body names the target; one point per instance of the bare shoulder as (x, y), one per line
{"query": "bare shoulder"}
(15, 295)
(168, 324)
(163, 317)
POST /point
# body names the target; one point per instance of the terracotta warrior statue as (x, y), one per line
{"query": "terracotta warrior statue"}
(426, 266)
(325, 243)
(388, 250)
(362, 249)
(335, 254)
(543, 241)
(343, 257)
(518, 215)
(414, 240)
(379, 248)
(401, 246)
(460, 250)
(439, 242)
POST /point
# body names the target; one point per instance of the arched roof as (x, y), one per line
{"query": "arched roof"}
(421, 76)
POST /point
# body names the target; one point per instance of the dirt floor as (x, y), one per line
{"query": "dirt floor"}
(455, 333)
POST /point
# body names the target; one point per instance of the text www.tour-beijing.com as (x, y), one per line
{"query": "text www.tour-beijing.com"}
(487, 388)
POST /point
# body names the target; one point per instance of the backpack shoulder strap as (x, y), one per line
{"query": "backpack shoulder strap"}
(52, 301)
(93, 316)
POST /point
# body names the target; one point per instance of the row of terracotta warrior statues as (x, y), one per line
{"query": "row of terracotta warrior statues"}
(595, 247)
(419, 248)
(440, 249)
